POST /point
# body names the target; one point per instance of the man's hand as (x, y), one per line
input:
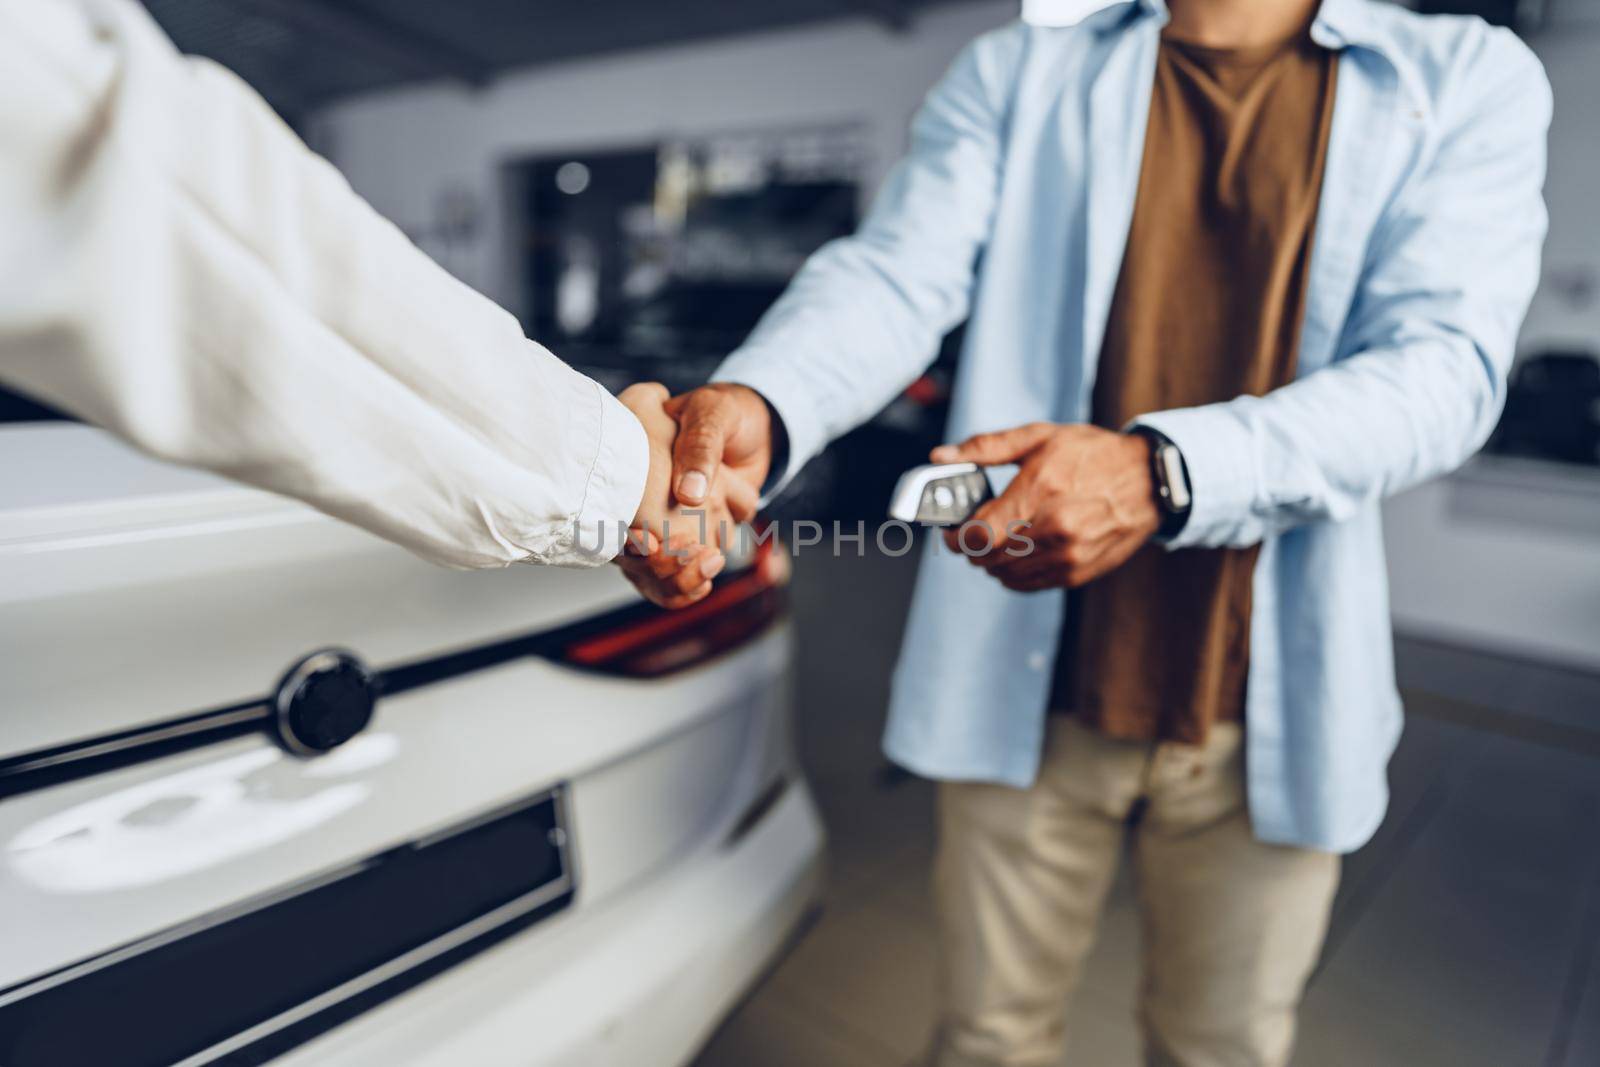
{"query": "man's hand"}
(725, 436)
(673, 550)
(1086, 494)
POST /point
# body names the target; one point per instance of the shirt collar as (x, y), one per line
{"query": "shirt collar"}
(1346, 23)
(1339, 23)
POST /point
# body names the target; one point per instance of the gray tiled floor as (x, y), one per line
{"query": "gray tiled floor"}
(1466, 934)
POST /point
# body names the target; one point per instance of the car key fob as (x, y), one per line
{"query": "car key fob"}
(940, 494)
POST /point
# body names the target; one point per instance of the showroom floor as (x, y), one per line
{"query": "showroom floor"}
(1466, 935)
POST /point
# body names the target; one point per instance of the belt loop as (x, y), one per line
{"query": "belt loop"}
(1147, 776)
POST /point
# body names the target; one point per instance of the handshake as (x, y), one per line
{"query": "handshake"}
(710, 452)
(1084, 495)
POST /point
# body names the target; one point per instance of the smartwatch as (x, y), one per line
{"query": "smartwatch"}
(1170, 476)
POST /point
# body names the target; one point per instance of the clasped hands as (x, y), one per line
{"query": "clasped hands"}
(1081, 503)
(710, 450)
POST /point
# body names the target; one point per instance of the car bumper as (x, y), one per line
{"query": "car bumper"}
(640, 980)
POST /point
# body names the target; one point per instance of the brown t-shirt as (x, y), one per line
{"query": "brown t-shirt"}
(1207, 307)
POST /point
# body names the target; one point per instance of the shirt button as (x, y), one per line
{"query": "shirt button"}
(1037, 661)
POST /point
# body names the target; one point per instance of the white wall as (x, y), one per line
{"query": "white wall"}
(401, 150)
(1570, 51)
(1500, 557)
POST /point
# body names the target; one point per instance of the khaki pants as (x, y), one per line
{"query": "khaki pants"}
(1231, 927)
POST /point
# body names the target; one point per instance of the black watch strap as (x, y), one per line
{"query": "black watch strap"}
(1170, 476)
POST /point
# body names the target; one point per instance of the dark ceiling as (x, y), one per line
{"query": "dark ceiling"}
(303, 53)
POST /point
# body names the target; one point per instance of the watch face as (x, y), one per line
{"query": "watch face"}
(1172, 477)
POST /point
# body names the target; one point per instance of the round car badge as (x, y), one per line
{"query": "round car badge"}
(325, 700)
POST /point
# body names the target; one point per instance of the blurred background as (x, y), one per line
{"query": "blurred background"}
(637, 180)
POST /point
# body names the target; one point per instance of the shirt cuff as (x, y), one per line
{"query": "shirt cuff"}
(790, 400)
(616, 482)
(1218, 452)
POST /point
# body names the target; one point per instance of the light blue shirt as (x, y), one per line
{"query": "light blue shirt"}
(1014, 202)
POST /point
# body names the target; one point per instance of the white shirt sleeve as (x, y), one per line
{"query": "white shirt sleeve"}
(176, 267)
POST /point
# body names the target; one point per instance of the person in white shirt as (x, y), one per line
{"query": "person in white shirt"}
(178, 268)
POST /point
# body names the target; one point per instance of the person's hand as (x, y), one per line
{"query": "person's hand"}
(645, 400)
(1086, 494)
(672, 553)
(673, 574)
(724, 445)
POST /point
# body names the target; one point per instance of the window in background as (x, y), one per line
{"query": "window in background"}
(1552, 410)
(656, 261)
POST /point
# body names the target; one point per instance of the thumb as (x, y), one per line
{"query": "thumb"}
(705, 421)
(988, 449)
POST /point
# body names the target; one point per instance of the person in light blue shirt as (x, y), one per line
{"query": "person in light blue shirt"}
(1013, 207)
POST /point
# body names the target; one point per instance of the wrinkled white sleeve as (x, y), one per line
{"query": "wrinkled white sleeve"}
(175, 266)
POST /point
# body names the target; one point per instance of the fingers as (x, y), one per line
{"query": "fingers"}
(686, 566)
(648, 402)
(641, 541)
(1058, 561)
(742, 499)
(696, 574)
(664, 594)
(673, 603)
(706, 418)
(676, 578)
(1030, 573)
(1005, 446)
(644, 394)
(990, 527)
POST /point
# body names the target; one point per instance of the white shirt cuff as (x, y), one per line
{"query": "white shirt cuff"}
(616, 483)
(1217, 451)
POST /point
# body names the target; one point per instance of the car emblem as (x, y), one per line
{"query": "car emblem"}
(325, 700)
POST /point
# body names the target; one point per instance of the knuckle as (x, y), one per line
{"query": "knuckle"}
(694, 595)
(700, 436)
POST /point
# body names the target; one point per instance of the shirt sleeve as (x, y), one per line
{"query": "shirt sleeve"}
(175, 266)
(865, 314)
(1430, 335)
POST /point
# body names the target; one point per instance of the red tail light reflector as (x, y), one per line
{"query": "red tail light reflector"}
(655, 642)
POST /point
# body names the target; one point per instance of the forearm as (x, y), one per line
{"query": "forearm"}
(842, 342)
(182, 271)
(866, 314)
(1334, 442)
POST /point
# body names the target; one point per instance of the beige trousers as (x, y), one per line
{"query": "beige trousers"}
(1231, 927)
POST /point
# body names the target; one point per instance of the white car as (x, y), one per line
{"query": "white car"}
(273, 789)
